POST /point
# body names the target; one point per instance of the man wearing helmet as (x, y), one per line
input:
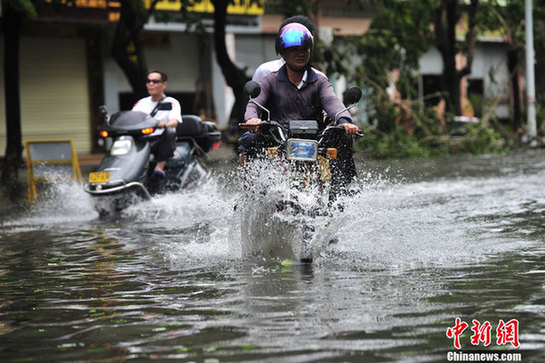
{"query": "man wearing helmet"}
(297, 92)
(274, 65)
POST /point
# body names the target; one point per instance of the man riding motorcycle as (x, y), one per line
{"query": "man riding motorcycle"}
(297, 92)
(274, 65)
(164, 137)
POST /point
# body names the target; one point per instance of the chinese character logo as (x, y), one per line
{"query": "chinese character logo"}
(508, 333)
(456, 331)
(482, 333)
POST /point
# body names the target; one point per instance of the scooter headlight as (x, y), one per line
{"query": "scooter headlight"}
(120, 147)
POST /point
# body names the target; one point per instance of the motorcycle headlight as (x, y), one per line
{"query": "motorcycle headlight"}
(120, 147)
(301, 149)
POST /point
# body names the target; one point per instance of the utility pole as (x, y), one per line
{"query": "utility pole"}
(530, 78)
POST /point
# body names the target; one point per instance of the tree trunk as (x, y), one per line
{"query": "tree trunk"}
(12, 22)
(234, 77)
(446, 21)
(127, 46)
(513, 66)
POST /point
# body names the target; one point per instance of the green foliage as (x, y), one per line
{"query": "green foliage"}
(540, 118)
(23, 7)
(401, 32)
(290, 8)
(392, 145)
(507, 18)
(416, 132)
(399, 35)
(26, 8)
(478, 139)
(402, 126)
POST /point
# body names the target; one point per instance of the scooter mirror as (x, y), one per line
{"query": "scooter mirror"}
(164, 106)
(103, 113)
(252, 89)
(353, 95)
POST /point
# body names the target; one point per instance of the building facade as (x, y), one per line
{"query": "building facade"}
(67, 70)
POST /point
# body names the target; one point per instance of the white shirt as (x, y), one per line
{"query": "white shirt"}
(267, 68)
(303, 80)
(146, 105)
(272, 66)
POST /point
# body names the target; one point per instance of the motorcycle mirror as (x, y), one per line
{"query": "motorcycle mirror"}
(103, 113)
(350, 97)
(353, 95)
(252, 89)
(164, 106)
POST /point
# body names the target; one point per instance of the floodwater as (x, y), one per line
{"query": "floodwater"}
(422, 243)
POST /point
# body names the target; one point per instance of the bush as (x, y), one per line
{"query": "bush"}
(421, 135)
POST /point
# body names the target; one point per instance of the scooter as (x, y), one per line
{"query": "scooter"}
(123, 175)
(303, 152)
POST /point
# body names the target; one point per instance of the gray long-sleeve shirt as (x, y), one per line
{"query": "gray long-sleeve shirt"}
(286, 102)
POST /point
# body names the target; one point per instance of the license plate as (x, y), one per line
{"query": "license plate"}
(301, 149)
(99, 177)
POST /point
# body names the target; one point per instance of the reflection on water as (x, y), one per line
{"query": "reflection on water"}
(422, 243)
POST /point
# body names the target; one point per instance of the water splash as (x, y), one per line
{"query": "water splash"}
(432, 223)
(62, 202)
(194, 226)
(282, 218)
(387, 223)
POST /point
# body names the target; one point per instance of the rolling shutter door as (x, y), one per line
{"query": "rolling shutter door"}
(54, 92)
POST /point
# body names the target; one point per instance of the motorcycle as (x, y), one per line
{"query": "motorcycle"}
(303, 153)
(123, 175)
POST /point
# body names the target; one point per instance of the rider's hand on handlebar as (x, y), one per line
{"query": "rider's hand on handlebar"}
(161, 125)
(253, 121)
(350, 129)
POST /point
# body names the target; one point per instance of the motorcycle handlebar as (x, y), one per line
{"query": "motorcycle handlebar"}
(246, 125)
(261, 124)
(340, 128)
(264, 124)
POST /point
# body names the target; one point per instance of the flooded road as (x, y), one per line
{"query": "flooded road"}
(422, 243)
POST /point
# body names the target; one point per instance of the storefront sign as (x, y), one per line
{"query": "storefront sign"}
(236, 7)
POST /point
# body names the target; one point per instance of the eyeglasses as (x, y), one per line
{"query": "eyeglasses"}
(154, 81)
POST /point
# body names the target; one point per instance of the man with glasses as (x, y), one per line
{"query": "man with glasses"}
(164, 142)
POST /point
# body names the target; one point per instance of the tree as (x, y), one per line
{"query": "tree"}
(127, 48)
(128, 51)
(539, 41)
(402, 31)
(290, 8)
(447, 15)
(328, 58)
(12, 22)
(398, 36)
(507, 18)
(234, 77)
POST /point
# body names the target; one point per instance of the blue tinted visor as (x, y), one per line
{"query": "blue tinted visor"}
(295, 35)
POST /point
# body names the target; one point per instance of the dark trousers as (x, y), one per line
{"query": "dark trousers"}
(343, 169)
(163, 146)
(251, 144)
